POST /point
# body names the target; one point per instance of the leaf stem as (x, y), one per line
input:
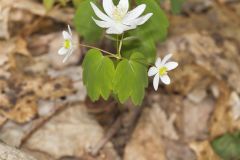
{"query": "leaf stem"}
(117, 44)
(88, 46)
(120, 46)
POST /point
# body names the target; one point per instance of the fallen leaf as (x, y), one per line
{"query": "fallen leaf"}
(4, 95)
(11, 153)
(235, 103)
(55, 88)
(204, 150)
(146, 142)
(24, 110)
(193, 114)
(2, 120)
(74, 132)
(222, 120)
(176, 150)
(4, 18)
(21, 47)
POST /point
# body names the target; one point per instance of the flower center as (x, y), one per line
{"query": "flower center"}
(118, 14)
(162, 71)
(67, 44)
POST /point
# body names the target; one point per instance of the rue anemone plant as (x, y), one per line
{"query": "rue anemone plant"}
(134, 32)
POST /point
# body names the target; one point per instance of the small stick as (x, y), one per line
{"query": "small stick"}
(41, 121)
(114, 128)
(112, 131)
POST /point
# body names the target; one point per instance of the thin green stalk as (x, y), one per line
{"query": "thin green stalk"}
(117, 45)
(120, 46)
(88, 46)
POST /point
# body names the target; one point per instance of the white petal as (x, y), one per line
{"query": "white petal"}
(156, 81)
(171, 65)
(124, 5)
(140, 20)
(158, 62)
(66, 35)
(70, 51)
(99, 13)
(152, 71)
(135, 13)
(69, 30)
(126, 28)
(114, 30)
(166, 58)
(165, 79)
(108, 7)
(102, 24)
(144, 19)
(118, 28)
(62, 51)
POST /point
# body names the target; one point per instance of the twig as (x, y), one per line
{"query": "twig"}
(114, 128)
(109, 53)
(112, 131)
(41, 121)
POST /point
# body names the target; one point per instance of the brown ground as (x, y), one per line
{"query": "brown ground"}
(44, 110)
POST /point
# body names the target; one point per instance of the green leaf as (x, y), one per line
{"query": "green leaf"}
(154, 30)
(176, 6)
(147, 48)
(228, 146)
(131, 79)
(48, 4)
(98, 73)
(156, 27)
(84, 23)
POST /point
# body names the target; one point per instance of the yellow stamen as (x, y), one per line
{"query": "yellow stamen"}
(118, 14)
(162, 71)
(67, 44)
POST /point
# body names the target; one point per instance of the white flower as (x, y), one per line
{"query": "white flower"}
(117, 18)
(160, 70)
(67, 48)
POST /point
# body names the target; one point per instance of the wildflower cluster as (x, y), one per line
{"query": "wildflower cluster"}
(123, 74)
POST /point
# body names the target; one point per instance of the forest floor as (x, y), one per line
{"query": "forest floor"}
(45, 111)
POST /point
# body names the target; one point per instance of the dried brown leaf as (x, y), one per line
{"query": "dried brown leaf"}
(4, 18)
(222, 120)
(24, 110)
(55, 88)
(187, 77)
(146, 142)
(4, 98)
(204, 150)
(21, 47)
(2, 120)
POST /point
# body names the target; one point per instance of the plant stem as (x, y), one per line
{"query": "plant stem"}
(117, 44)
(88, 46)
(120, 46)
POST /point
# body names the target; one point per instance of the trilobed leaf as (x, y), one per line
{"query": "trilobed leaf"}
(84, 23)
(156, 27)
(131, 79)
(98, 73)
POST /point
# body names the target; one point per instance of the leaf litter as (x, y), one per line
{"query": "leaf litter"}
(42, 100)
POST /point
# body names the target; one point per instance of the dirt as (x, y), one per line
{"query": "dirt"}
(45, 112)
